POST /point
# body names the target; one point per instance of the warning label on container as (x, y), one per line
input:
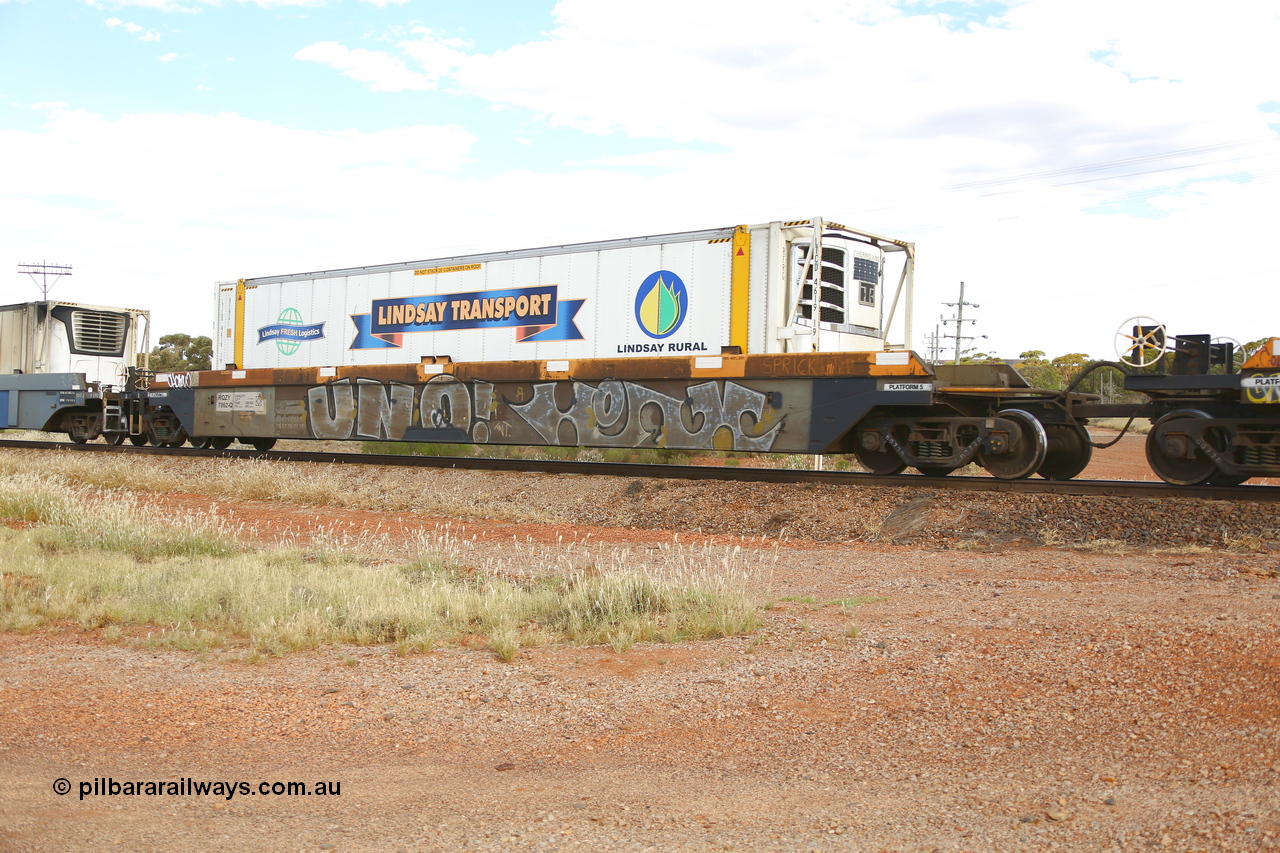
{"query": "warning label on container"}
(439, 270)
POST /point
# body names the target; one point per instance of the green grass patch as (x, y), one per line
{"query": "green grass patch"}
(417, 448)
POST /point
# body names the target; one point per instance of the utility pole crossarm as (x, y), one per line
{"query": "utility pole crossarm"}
(44, 270)
(960, 320)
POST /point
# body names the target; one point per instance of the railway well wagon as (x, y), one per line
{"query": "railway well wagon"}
(757, 338)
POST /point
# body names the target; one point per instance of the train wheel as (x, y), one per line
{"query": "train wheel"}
(1172, 454)
(139, 440)
(260, 444)
(115, 439)
(1023, 458)
(1068, 451)
(882, 463)
(1224, 479)
(178, 439)
(78, 439)
(935, 470)
(200, 443)
(221, 442)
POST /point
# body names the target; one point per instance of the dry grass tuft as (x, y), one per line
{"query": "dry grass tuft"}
(1244, 544)
(96, 558)
(1140, 426)
(1104, 546)
(346, 487)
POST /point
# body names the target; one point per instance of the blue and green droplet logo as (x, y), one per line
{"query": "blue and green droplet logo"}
(661, 304)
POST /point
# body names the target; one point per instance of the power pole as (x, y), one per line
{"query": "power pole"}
(45, 270)
(959, 320)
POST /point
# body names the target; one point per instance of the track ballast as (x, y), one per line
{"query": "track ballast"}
(1094, 488)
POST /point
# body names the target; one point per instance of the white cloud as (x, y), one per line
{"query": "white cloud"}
(168, 57)
(134, 29)
(383, 72)
(157, 5)
(863, 110)
(175, 201)
(870, 82)
(968, 138)
(198, 5)
(438, 56)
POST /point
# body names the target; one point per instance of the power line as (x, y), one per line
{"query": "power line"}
(1114, 164)
(906, 200)
(1146, 172)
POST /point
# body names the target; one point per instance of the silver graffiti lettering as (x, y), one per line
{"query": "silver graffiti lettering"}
(541, 412)
(332, 409)
(625, 413)
(445, 403)
(385, 410)
(658, 417)
(740, 402)
(609, 407)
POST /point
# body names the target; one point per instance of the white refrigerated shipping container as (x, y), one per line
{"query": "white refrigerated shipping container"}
(743, 289)
(66, 337)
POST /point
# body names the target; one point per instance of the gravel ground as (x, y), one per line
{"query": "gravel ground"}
(929, 676)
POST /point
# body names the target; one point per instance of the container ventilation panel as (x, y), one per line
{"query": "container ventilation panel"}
(98, 333)
(831, 304)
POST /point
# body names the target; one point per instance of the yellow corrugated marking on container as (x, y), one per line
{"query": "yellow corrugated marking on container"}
(740, 288)
(239, 342)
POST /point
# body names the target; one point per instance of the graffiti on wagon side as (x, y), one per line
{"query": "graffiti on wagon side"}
(625, 414)
(386, 410)
(613, 413)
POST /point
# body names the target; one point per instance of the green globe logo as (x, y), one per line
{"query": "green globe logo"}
(292, 317)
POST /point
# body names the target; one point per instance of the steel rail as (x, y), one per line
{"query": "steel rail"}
(1085, 488)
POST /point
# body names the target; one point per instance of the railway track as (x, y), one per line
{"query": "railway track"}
(1097, 488)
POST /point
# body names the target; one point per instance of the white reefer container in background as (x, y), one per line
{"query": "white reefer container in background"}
(745, 289)
(66, 337)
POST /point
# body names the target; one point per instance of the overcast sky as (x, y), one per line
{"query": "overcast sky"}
(1075, 163)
